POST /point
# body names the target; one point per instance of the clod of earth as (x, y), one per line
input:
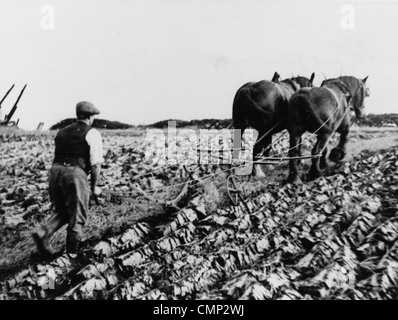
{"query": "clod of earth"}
(333, 238)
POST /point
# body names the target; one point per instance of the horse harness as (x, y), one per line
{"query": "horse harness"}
(338, 101)
(287, 84)
(338, 83)
(343, 88)
(366, 94)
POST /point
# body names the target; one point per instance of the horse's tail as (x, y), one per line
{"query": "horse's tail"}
(242, 109)
(307, 111)
(240, 114)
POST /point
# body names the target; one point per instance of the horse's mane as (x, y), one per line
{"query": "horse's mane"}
(339, 84)
(291, 83)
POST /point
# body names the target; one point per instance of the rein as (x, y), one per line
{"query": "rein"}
(335, 97)
(353, 98)
(345, 92)
(270, 130)
(295, 86)
(334, 131)
(342, 87)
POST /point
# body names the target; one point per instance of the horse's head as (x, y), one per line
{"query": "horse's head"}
(356, 89)
(358, 97)
(304, 82)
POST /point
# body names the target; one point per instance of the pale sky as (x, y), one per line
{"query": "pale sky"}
(145, 61)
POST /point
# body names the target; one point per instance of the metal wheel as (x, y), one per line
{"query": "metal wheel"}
(235, 189)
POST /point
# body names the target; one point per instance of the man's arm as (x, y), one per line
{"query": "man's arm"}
(94, 140)
(95, 175)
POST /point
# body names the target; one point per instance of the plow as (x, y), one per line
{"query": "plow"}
(7, 119)
(237, 173)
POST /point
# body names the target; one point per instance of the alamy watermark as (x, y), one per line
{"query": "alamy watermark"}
(47, 21)
(347, 21)
(205, 146)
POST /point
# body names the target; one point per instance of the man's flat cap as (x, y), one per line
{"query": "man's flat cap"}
(86, 107)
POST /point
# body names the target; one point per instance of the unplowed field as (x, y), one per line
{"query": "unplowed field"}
(332, 238)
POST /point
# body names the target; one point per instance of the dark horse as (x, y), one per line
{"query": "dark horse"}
(323, 111)
(264, 106)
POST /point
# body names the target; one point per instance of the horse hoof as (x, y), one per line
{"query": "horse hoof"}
(294, 180)
(336, 155)
(314, 175)
(323, 165)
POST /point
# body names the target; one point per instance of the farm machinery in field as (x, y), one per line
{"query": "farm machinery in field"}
(7, 119)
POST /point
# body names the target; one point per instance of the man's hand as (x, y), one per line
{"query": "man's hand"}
(97, 191)
(95, 196)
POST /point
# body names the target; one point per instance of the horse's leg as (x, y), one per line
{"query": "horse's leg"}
(324, 162)
(267, 146)
(315, 171)
(300, 144)
(258, 148)
(295, 138)
(338, 153)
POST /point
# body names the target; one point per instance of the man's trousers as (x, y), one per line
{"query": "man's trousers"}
(70, 194)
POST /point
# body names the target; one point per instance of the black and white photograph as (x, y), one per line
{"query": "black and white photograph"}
(198, 154)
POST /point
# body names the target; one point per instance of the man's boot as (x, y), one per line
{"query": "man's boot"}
(72, 243)
(42, 242)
